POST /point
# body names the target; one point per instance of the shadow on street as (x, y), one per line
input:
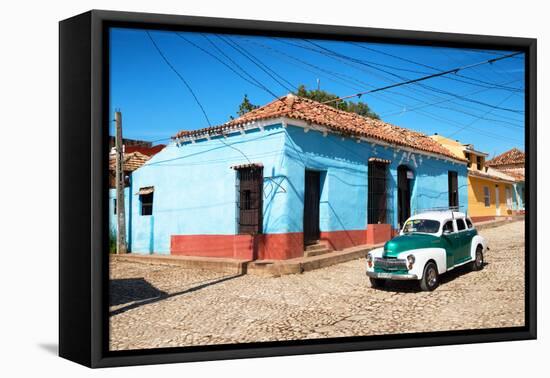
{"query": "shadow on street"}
(138, 292)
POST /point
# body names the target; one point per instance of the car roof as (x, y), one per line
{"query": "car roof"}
(440, 216)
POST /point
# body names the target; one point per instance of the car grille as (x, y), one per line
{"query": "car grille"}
(390, 264)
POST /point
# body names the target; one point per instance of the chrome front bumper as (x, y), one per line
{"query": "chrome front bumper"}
(392, 276)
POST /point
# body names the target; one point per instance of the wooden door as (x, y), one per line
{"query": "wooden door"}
(453, 191)
(403, 194)
(312, 196)
(250, 200)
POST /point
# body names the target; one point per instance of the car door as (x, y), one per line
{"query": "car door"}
(450, 242)
(464, 239)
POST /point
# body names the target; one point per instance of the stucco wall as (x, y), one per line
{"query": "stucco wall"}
(195, 192)
(345, 191)
(194, 188)
(476, 198)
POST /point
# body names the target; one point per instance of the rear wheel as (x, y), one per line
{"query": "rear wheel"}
(477, 264)
(377, 283)
(430, 278)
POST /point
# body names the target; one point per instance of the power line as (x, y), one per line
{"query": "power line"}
(427, 104)
(477, 119)
(182, 79)
(339, 57)
(248, 53)
(432, 117)
(193, 93)
(239, 67)
(219, 60)
(440, 73)
(375, 90)
(423, 78)
(341, 79)
(353, 86)
(254, 61)
(443, 101)
(492, 85)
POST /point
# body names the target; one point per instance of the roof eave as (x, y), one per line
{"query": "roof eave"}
(205, 134)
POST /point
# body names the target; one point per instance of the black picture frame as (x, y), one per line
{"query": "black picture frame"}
(83, 209)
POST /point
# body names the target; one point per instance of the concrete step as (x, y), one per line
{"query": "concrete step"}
(217, 264)
(315, 247)
(317, 252)
(305, 264)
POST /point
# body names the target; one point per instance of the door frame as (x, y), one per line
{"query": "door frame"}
(403, 169)
(497, 200)
(312, 216)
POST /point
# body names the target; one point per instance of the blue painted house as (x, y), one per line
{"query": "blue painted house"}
(288, 174)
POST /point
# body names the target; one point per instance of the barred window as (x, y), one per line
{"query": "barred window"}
(146, 200)
(453, 189)
(377, 197)
(249, 202)
(487, 196)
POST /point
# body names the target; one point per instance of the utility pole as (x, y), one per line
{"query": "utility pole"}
(119, 182)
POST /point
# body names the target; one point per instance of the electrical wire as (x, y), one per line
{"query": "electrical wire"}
(182, 79)
(438, 74)
(353, 86)
(492, 85)
(375, 90)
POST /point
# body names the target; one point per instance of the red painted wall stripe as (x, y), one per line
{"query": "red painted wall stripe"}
(271, 246)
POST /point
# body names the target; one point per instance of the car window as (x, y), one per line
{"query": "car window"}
(426, 226)
(469, 223)
(460, 224)
(448, 227)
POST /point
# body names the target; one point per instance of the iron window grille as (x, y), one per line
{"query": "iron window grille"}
(377, 192)
(250, 200)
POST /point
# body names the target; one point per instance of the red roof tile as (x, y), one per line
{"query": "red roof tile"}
(513, 156)
(149, 151)
(132, 161)
(346, 123)
(494, 175)
(518, 174)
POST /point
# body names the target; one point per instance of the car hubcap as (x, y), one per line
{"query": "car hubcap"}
(432, 277)
(479, 259)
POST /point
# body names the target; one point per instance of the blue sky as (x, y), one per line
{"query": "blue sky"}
(483, 106)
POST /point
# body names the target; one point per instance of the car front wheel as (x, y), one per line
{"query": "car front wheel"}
(430, 278)
(477, 264)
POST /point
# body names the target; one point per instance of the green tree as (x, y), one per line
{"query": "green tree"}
(359, 107)
(245, 107)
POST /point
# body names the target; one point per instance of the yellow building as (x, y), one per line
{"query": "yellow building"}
(489, 190)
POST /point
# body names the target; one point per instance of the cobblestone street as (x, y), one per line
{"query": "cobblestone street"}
(165, 306)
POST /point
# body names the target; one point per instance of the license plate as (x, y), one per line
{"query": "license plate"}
(384, 275)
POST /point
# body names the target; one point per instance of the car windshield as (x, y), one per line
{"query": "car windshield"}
(425, 226)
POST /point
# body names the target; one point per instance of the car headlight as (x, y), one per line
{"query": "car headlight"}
(369, 259)
(410, 261)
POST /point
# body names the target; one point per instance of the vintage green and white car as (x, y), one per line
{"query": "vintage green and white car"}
(430, 244)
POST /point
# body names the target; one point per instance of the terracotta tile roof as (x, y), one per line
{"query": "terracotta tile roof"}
(132, 161)
(513, 156)
(518, 175)
(492, 174)
(347, 123)
(247, 165)
(145, 150)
